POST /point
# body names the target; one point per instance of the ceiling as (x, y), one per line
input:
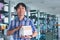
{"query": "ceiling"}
(49, 6)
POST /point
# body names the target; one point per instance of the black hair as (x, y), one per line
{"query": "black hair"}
(17, 6)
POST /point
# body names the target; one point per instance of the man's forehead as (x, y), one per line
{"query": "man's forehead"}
(21, 6)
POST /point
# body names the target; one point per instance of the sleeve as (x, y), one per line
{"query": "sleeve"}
(33, 26)
(11, 25)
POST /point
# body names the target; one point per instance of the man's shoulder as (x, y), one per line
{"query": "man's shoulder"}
(14, 20)
(28, 19)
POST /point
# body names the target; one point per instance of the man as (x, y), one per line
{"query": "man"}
(20, 21)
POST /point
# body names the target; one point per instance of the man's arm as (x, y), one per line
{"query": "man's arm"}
(34, 34)
(33, 29)
(10, 32)
(12, 28)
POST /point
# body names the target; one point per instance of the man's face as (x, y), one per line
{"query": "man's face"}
(21, 11)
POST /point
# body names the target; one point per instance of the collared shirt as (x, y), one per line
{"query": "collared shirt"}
(16, 23)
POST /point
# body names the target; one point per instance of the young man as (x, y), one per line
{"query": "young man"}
(17, 23)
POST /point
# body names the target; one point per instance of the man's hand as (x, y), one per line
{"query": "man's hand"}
(10, 32)
(26, 37)
(17, 28)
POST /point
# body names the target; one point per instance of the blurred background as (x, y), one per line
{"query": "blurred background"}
(44, 13)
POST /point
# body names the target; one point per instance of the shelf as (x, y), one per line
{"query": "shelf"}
(32, 17)
(2, 1)
(42, 18)
(32, 10)
(2, 11)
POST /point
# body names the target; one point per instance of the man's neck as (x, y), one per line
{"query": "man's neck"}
(21, 18)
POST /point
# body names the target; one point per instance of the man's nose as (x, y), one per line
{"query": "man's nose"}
(20, 9)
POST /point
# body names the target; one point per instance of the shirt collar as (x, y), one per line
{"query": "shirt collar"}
(25, 18)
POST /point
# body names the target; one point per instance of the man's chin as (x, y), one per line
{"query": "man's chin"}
(21, 15)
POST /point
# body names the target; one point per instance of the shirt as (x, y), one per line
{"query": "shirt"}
(16, 23)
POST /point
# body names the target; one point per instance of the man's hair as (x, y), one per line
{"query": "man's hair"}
(17, 6)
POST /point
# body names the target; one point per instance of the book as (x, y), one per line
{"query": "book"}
(25, 30)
